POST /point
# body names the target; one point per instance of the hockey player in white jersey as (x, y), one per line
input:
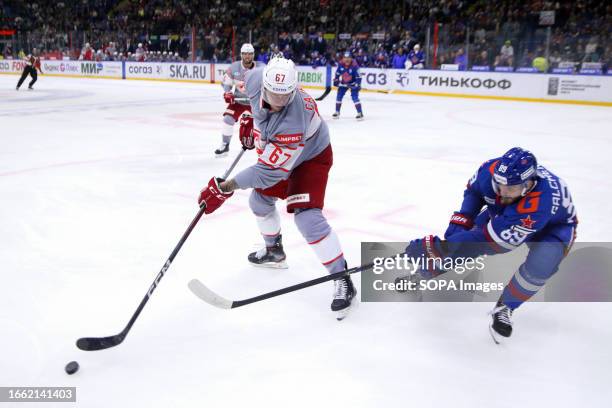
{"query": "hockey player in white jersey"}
(237, 101)
(295, 156)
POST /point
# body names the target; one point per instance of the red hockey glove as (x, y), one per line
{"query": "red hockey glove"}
(458, 223)
(229, 98)
(212, 196)
(246, 132)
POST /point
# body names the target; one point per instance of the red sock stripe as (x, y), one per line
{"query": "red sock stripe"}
(318, 240)
(335, 259)
(514, 291)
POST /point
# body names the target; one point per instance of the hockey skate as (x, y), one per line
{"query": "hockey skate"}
(336, 115)
(223, 150)
(30, 88)
(359, 116)
(270, 257)
(344, 292)
(501, 326)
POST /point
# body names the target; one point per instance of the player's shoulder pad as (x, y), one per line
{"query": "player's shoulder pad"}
(484, 173)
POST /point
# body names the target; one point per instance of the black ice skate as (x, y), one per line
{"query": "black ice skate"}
(16, 88)
(359, 116)
(336, 115)
(502, 322)
(223, 150)
(270, 257)
(344, 292)
(30, 88)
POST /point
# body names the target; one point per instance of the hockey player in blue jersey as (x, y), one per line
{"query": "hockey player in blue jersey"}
(347, 77)
(523, 203)
(416, 58)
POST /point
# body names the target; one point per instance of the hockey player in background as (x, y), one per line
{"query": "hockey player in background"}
(32, 63)
(237, 101)
(347, 77)
(523, 203)
(416, 59)
(295, 156)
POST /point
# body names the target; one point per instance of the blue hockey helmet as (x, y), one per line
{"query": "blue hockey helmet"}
(516, 167)
(348, 54)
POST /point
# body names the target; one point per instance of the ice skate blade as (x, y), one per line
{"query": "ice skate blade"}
(341, 314)
(220, 155)
(497, 338)
(272, 265)
(359, 119)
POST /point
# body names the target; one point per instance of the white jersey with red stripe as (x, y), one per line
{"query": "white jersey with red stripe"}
(284, 139)
(233, 78)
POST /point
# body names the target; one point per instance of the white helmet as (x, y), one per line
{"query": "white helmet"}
(279, 81)
(247, 48)
(139, 45)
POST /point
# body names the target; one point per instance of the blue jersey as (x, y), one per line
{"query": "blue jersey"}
(348, 76)
(319, 61)
(547, 209)
(416, 57)
(363, 60)
(381, 60)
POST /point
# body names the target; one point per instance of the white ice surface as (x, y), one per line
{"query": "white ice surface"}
(99, 179)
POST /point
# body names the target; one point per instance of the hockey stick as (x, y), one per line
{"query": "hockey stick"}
(327, 91)
(100, 343)
(210, 297)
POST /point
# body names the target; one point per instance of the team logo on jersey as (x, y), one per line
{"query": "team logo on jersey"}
(527, 222)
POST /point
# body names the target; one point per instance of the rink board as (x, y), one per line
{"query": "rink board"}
(573, 89)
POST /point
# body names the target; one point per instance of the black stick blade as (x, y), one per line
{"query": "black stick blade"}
(99, 343)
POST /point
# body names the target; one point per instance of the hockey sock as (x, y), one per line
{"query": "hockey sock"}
(321, 238)
(269, 227)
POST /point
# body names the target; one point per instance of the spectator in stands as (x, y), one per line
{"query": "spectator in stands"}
(362, 58)
(8, 52)
(527, 60)
(287, 52)
(583, 26)
(482, 59)
(263, 57)
(317, 60)
(399, 59)
(591, 50)
(461, 59)
(506, 55)
(555, 59)
(382, 59)
(320, 44)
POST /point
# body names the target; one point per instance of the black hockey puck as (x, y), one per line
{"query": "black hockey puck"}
(72, 367)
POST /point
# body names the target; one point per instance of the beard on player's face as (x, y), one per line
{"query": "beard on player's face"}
(511, 194)
(247, 58)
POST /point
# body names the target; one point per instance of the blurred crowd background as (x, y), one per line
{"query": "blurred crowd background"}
(533, 34)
